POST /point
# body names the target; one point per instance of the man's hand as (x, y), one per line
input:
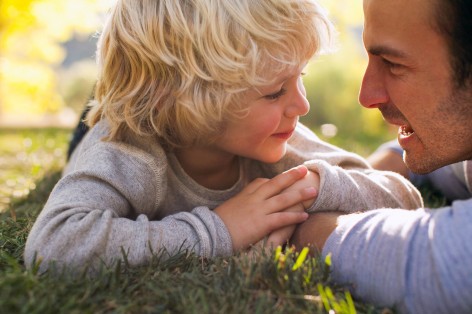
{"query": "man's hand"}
(314, 232)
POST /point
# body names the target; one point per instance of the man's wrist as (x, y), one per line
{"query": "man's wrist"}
(314, 232)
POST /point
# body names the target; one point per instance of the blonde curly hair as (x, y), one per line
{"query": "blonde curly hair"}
(175, 69)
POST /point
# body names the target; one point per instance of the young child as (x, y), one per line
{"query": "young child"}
(195, 142)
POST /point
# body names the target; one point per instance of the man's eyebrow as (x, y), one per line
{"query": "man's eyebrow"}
(386, 51)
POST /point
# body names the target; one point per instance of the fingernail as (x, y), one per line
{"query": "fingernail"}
(311, 190)
(301, 167)
(297, 168)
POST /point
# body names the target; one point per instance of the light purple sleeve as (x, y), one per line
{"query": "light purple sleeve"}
(415, 261)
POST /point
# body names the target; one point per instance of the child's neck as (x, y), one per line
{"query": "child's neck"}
(212, 169)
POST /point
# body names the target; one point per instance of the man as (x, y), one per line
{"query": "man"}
(419, 76)
(447, 183)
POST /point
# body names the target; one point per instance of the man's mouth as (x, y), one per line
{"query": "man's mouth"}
(406, 130)
(406, 136)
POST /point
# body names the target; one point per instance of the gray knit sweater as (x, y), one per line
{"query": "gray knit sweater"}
(134, 197)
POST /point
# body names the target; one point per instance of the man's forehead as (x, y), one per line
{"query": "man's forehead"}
(422, 10)
(390, 24)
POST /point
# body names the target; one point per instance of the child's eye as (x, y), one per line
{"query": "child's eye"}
(277, 95)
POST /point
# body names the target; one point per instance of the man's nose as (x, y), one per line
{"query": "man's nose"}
(373, 92)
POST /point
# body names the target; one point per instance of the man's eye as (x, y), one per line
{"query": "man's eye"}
(391, 64)
(277, 95)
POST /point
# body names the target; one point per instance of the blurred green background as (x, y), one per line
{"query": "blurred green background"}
(47, 70)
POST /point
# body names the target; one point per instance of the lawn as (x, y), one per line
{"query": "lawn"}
(275, 282)
(26, 156)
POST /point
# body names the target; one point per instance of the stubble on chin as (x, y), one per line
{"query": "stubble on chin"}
(416, 164)
(424, 162)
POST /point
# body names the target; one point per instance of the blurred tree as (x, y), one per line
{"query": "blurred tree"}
(31, 33)
(333, 82)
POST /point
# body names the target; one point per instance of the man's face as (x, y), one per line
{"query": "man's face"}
(409, 79)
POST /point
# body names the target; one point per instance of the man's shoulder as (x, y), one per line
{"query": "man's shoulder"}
(468, 174)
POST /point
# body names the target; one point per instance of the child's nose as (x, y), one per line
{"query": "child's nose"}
(298, 104)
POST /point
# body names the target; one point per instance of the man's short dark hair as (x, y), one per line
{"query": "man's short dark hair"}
(454, 20)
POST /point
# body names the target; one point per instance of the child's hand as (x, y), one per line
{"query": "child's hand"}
(311, 179)
(261, 207)
(282, 235)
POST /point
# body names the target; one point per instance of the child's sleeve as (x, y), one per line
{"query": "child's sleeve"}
(103, 211)
(347, 182)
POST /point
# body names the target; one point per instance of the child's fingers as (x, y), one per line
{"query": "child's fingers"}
(282, 181)
(288, 199)
(282, 219)
(280, 236)
(255, 184)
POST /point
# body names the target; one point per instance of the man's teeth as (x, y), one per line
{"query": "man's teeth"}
(406, 131)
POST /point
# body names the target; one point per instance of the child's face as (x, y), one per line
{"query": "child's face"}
(273, 113)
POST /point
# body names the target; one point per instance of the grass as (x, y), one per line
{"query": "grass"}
(25, 157)
(275, 282)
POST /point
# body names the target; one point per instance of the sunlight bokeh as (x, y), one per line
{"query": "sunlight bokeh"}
(47, 72)
(31, 52)
(38, 88)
